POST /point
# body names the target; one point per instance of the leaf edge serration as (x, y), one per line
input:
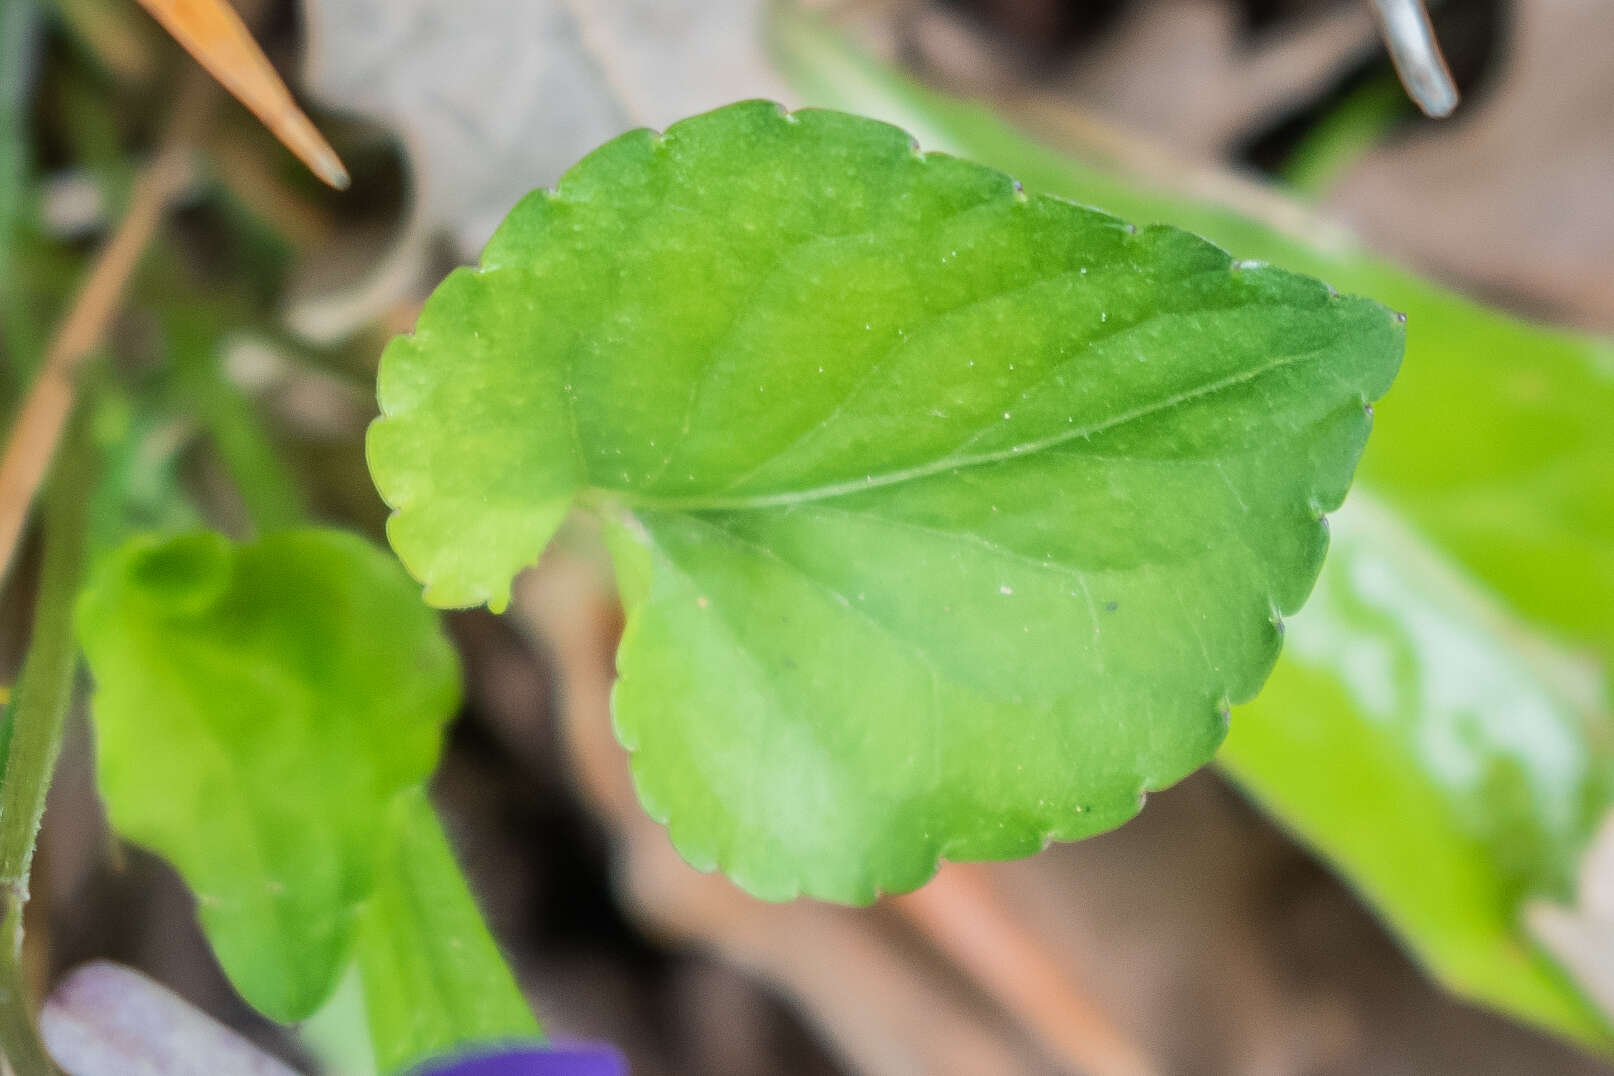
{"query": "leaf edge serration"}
(1320, 501)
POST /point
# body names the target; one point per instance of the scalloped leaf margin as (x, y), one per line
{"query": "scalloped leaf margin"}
(949, 519)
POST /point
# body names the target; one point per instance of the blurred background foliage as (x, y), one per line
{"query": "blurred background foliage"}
(1410, 809)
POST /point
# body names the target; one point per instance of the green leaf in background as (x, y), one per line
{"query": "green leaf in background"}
(1466, 749)
(949, 519)
(433, 978)
(259, 710)
(140, 484)
(1490, 466)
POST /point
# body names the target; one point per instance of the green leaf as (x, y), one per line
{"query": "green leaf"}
(258, 711)
(433, 978)
(1451, 761)
(141, 484)
(1492, 453)
(949, 519)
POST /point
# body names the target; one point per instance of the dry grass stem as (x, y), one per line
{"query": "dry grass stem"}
(961, 915)
(211, 31)
(32, 440)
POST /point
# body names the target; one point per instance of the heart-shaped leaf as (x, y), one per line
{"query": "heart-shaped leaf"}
(259, 709)
(949, 519)
(1532, 444)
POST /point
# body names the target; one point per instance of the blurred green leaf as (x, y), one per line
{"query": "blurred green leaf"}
(1451, 761)
(266, 716)
(259, 710)
(140, 488)
(338, 1035)
(1490, 463)
(949, 518)
(433, 978)
(1352, 128)
(115, 37)
(195, 336)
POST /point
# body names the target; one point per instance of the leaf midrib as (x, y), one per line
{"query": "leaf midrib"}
(787, 498)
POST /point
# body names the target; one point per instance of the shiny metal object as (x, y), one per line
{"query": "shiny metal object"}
(1416, 55)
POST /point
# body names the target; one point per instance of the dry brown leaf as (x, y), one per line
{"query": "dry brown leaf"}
(1177, 70)
(493, 98)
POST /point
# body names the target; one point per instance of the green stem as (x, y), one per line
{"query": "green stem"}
(434, 980)
(31, 737)
(269, 490)
(23, 1053)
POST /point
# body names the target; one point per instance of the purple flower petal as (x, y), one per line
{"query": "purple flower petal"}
(562, 1061)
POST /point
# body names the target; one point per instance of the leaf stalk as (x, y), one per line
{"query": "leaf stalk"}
(31, 738)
